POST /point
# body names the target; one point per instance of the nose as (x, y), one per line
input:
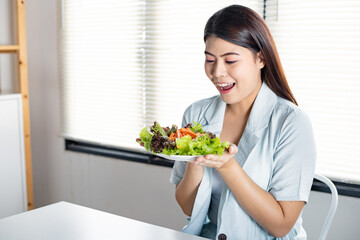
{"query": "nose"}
(219, 70)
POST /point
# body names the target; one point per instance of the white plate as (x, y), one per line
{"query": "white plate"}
(179, 157)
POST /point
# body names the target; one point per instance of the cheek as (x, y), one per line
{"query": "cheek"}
(245, 72)
(238, 73)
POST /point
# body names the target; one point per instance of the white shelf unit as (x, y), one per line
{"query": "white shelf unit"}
(13, 194)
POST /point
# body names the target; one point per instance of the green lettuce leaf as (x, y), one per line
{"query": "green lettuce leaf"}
(197, 128)
(201, 145)
(183, 144)
(146, 138)
(157, 128)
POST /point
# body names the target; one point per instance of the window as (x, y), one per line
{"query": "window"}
(125, 64)
(319, 48)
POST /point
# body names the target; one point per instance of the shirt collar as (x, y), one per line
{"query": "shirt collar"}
(262, 109)
(259, 115)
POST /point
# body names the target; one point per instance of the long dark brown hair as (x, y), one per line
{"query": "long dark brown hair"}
(242, 26)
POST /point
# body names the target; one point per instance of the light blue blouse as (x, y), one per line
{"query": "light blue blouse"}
(277, 150)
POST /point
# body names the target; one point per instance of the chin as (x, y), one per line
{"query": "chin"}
(230, 100)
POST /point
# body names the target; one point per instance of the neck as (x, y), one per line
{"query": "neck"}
(243, 108)
(239, 110)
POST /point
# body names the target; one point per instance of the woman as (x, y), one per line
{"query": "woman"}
(257, 189)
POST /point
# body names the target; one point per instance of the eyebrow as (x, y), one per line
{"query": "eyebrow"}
(223, 55)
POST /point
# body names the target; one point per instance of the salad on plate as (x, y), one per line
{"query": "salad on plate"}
(183, 144)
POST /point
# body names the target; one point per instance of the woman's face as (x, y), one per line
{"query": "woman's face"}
(234, 70)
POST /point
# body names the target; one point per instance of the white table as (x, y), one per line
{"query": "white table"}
(65, 221)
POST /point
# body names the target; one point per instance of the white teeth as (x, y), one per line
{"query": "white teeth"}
(223, 84)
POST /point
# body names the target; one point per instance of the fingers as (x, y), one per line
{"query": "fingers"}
(204, 161)
(211, 157)
(233, 149)
(210, 160)
(199, 160)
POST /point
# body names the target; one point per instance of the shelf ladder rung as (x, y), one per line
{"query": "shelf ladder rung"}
(9, 49)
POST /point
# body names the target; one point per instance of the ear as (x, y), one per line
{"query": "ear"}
(260, 62)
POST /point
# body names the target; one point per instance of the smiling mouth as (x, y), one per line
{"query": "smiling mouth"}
(225, 86)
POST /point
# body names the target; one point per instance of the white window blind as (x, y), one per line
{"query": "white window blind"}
(318, 42)
(125, 64)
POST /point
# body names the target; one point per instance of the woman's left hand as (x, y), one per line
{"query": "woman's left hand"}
(215, 161)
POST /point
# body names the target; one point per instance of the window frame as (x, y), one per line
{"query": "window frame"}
(343, 188)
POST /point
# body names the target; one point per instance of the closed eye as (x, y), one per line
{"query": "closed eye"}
(230, 62)
(209, 61)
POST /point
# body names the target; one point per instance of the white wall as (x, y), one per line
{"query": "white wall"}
(134, 190)
(7, 37)
(346, 222)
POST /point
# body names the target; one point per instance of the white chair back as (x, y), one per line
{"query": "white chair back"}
(333, 206)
